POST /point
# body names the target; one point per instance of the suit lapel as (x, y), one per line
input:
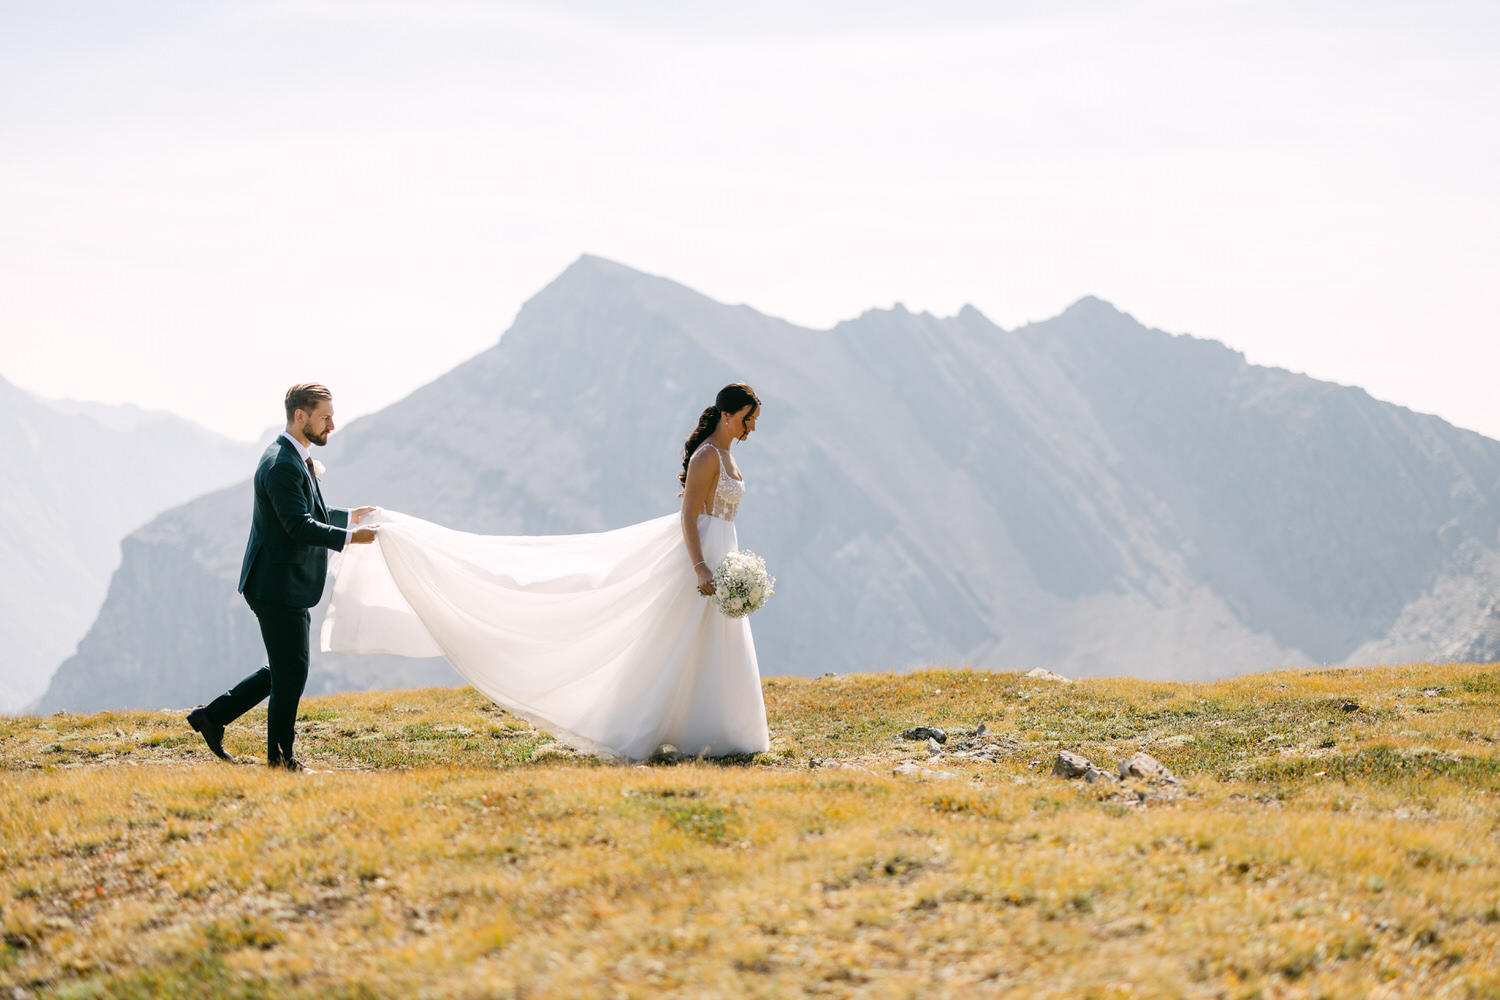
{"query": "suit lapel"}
(315, 493)
(318, 498)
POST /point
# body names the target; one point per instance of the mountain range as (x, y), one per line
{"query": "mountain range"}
(74, 479)
(1085, 494)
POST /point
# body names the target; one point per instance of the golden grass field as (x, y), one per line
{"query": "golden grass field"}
(1337, 834)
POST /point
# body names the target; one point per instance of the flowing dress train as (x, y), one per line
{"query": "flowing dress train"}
(601, 639)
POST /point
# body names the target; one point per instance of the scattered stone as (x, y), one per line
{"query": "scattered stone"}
(1350, 706)
(1143, 765)
(983, 730)
(1093, 776)
(934, 749)
(824, 677)
(1046, 675)
(1071, 765)
(667, 754)
(1161, 785)
(908, 769)
(837, 765)
(925, 733)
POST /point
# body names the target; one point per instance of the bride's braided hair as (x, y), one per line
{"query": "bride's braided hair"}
(733, 397)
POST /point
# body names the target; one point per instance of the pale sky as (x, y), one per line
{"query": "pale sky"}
(202, 202)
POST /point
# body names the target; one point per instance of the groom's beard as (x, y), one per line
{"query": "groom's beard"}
(318, 439)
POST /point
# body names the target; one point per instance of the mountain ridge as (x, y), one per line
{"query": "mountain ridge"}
(70, 489)
(1084, 493)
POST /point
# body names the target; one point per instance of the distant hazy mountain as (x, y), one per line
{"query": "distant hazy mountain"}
(1084, 494)
(75, 478)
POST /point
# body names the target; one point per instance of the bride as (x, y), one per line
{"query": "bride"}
(606, 641)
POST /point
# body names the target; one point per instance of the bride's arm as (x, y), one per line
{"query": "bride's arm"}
(703, 472)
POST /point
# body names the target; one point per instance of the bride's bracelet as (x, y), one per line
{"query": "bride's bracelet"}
(700, 562)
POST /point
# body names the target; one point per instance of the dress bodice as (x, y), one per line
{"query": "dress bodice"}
(728, 491)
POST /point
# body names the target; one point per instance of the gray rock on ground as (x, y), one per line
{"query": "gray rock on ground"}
(1074, 765)
(989, 755)
(667, 754)
(925, 733)
(818, 763)
(908, 769)
(1071, 765)
(1143, 765)
(1038, 673)
(934, 748)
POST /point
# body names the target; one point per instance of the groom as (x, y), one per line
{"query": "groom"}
(282, 576)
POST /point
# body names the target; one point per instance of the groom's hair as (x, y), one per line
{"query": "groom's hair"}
(304, 396)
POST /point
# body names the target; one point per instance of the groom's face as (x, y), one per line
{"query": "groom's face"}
(319, 423)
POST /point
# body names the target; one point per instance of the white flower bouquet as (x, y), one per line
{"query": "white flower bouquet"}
(741, 584)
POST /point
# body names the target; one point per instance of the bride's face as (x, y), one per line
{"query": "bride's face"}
(742, 422)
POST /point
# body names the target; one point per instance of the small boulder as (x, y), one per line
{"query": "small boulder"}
(1350, 706)
(1046, 675)
(1070, 765)
(925, 733)
(983, 730)
(908, 769)
(1093, 776)
(934, 749)
(667, 754)
(1143, 765)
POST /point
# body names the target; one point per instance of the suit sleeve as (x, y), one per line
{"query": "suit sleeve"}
(284, 486)
(338, 517)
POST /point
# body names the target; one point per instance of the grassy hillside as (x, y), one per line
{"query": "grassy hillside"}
(1335, 833)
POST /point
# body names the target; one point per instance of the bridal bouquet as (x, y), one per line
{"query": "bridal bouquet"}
(742, 584)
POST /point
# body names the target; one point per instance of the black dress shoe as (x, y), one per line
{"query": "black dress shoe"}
(213, 733)
(290, 764)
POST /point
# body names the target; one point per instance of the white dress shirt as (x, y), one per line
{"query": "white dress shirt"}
(305, 454)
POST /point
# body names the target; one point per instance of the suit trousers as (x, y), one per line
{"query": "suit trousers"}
(285, 632)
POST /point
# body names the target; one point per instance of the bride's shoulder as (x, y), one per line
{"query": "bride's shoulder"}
(705, 458)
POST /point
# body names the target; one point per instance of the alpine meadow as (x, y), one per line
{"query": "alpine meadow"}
(1331, 833)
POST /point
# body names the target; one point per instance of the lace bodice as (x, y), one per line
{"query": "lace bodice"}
(728, 492)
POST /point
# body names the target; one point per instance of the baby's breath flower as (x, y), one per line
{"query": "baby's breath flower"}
(742, 584)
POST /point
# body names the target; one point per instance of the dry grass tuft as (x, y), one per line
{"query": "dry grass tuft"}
(1337, 834)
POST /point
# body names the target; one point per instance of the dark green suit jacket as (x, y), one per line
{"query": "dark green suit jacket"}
(291, 532)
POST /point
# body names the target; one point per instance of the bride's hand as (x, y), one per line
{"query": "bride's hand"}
(359, 513)
(706, 582)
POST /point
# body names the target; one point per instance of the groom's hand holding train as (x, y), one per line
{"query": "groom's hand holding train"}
(282, 576)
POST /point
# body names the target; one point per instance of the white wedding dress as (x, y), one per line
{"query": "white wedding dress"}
(602, 640)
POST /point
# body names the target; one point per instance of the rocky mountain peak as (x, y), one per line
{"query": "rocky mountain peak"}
(1083, 493)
